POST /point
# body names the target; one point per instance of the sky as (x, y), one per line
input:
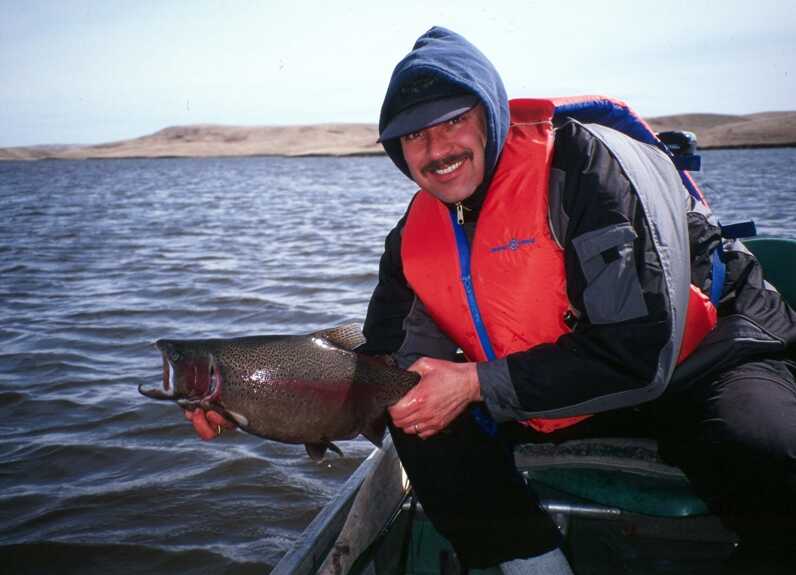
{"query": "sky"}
(92, 71)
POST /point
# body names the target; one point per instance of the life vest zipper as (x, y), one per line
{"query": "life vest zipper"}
(463, 249)
(481, 417)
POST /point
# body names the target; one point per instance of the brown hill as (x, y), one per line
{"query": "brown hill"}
(766, 129)
(212, 140)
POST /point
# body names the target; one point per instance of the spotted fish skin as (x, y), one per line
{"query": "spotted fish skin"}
(309, 389)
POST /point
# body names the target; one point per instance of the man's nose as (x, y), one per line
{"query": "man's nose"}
(438, 142)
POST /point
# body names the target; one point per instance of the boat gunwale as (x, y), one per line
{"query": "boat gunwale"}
(314, 543)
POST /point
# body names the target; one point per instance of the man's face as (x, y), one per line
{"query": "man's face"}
(447, 160)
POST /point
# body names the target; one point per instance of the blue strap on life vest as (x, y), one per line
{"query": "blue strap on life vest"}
(688, 162)
(482, 419)
(463, 248)
(719, 271)
(737, 230)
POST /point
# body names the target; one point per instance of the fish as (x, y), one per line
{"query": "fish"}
(311, 389)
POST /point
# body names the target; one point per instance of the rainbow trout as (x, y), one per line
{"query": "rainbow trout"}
(308, 389)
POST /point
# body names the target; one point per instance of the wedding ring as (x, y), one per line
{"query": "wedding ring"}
(417, 428)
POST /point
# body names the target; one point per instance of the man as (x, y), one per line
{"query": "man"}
(553, 333)
(561, 260)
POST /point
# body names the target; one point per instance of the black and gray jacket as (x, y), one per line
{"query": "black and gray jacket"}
(627, 227)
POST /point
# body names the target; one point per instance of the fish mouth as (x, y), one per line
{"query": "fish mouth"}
(168, 375)
(167, 390)
(190, 385)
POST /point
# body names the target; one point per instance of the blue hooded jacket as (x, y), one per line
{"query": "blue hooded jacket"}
(448, 56)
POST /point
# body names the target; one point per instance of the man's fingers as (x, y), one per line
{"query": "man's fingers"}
(201, 425)
(422, 366)
(208, 425)
(216, 418)
(398, 414)
(404, 409)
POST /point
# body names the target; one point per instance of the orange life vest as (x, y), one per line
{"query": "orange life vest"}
(506, 292)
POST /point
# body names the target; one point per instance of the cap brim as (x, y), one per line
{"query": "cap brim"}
(427, 114)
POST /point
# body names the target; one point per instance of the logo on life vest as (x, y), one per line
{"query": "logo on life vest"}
(513, 245)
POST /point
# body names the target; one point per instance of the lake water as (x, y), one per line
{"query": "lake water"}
(98, 259)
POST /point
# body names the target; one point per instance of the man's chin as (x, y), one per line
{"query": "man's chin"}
(451, 197)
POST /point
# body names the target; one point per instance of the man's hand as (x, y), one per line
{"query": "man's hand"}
(444, 391)
(208, 425)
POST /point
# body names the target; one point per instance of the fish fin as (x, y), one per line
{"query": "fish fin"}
(316, 451)
(239, 418)
(374, 430)
(348, 336)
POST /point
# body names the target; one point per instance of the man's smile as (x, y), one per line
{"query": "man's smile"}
(450, 168)
(447, 165)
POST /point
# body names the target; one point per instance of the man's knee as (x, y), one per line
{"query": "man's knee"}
(753, 411)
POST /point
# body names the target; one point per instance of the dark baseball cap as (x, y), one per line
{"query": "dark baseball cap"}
(427, 114)
(425, 101)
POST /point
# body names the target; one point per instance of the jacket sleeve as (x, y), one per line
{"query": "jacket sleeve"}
(397, 323)
(754, 319)
(618, 208)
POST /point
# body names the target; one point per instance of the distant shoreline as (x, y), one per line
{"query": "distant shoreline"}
(750, 146)
(187, 157)
(713, 131)
(4, 158)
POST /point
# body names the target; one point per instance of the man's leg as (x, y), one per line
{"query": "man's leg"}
(734, 435)
(473, 494)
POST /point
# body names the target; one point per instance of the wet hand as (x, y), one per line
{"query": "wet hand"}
(444, 391)
(208, 424)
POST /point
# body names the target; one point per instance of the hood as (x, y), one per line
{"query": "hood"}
(448, 56)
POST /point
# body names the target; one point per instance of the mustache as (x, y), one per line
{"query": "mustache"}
(446, 161)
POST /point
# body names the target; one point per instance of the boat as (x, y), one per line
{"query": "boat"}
(612, 498)
(620, 507)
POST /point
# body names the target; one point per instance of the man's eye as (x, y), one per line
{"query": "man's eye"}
(411, 136)
(457, 119)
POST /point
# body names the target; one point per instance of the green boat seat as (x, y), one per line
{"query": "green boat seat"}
(623, 474)
(625, 490)
(778, 258)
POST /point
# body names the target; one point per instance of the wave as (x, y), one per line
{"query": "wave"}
(47, 557)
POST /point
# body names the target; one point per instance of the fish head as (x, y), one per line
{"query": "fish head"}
(190, 373)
